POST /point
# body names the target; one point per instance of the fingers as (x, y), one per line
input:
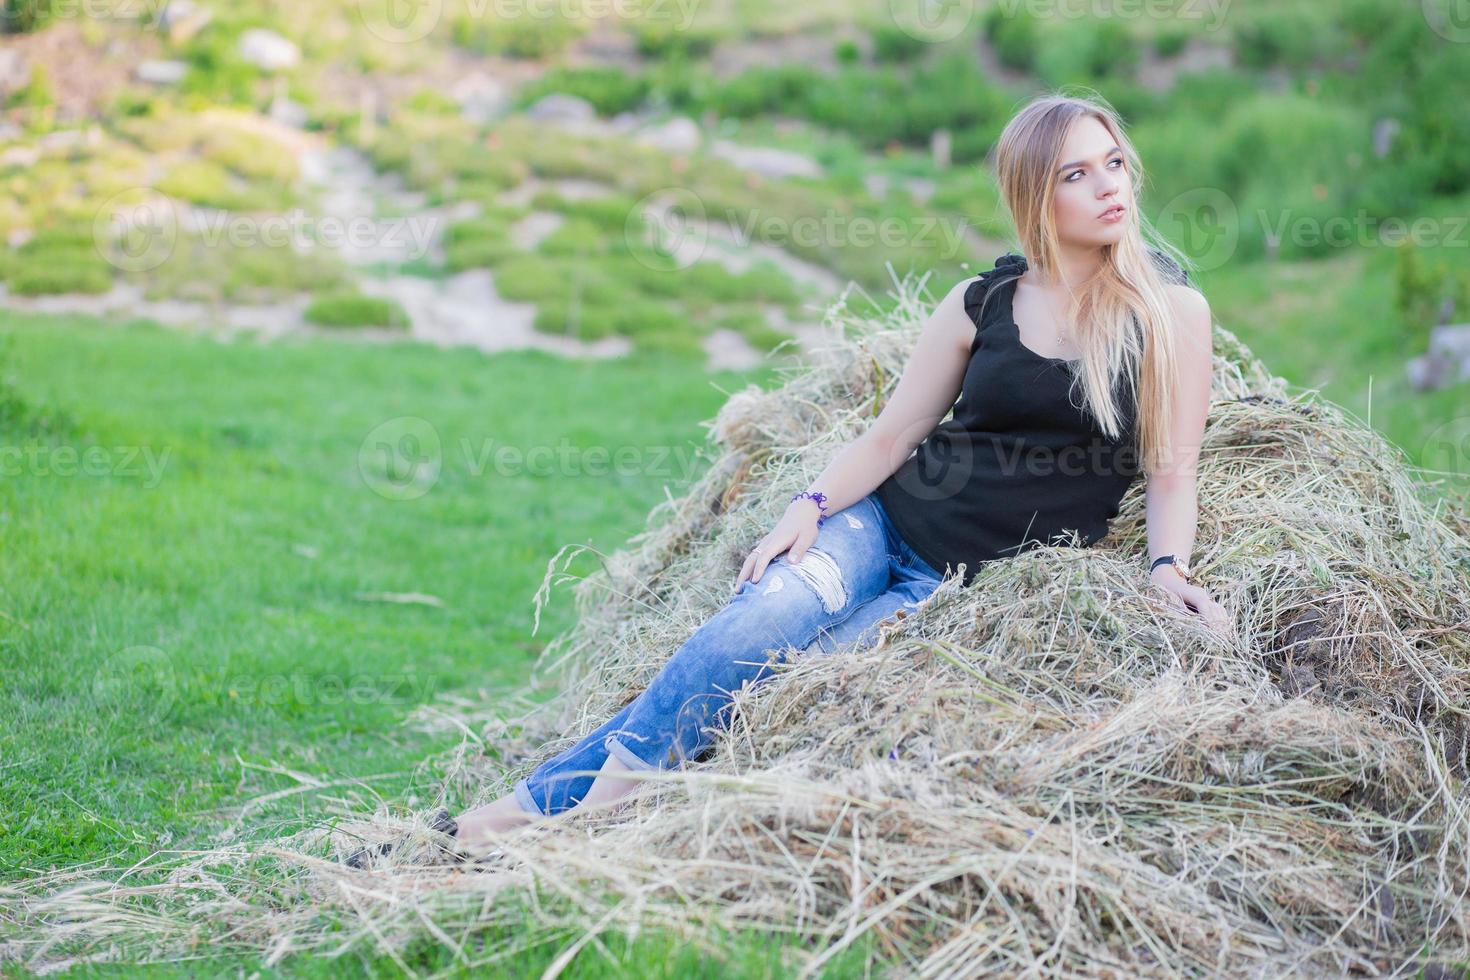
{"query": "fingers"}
(803, 541)
(767, 555)
(745, 570)
(1200, 603)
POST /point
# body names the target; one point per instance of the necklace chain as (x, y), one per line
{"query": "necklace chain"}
(1061, 339)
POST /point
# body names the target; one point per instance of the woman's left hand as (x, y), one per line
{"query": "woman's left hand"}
(1182, 595)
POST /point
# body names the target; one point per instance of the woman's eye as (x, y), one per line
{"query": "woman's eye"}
(1076, 172)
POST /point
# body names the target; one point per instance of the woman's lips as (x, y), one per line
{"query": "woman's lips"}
(1114, 213)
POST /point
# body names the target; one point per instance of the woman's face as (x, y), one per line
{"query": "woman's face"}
(1093, 178)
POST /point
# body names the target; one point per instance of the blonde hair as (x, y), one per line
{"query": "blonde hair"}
(1124, 319)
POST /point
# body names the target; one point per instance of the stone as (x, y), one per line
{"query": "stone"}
(161, 72)
(678, 135)
(1446, 362)
(289, 112)
(767, 161)
(481, 98)
(182, 19)
(15, 71)
(559, 107)
(19, 156)
(268, 50)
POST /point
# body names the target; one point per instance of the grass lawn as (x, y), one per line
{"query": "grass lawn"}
(186, 527)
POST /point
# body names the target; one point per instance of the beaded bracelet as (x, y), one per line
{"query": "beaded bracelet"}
(821, 500)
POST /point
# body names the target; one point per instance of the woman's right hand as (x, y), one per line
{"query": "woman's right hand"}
(796, 531)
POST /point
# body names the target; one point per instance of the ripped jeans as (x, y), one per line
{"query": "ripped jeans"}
(857, 573)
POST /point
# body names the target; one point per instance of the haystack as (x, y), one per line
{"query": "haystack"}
(1049, 772)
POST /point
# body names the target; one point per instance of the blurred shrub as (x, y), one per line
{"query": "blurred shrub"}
(1014, 35)
(217, 73)
(1170, 41)
(609, 213)
(1421, 293)
(1289, 36)
(1086, 51)
(610, 90)
(529, 279)
(431, 101)
(574, 237)
(36, 93)
(23, 16)
(751, 324)
(206, 183)
(893, 44)
(65, 262)
(657, 41)
(479, 243)
(676, 83)
(520, 37)
(774, 89)
(356, 310)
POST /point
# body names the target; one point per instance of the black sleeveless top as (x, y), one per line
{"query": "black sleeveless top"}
(1019, 462)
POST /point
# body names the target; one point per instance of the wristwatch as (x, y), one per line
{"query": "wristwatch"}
(1175, 560)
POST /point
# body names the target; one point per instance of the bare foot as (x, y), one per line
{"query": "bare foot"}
(609, 786)
(483, 824)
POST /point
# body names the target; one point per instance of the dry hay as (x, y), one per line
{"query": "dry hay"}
(1048, 772)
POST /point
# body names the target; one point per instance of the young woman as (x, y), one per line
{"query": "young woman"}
(1068, 374)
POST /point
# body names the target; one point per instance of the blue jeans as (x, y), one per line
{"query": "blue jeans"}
(856, 573)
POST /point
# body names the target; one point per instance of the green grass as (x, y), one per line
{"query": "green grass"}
(185, 529)
(355, 310)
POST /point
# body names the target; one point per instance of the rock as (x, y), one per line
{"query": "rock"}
(161, 72)
(1384, 130)
(1298, 681)
(19, 156)
(481, 98)
(767, 161)
(1453, 341)
(559, 107)
(920, 189)
(182, 19)
(727, 350)
(289, 112)
(1446, 362)
(941, 148)
(268, 50)
(15, 71)
(1428, 372)
(679, 135)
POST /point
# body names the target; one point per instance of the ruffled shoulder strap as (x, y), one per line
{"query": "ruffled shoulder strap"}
(1171, 270)
(1008, 266)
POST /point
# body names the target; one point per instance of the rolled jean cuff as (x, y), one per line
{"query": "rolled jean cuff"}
(526, 800)
(625, 755)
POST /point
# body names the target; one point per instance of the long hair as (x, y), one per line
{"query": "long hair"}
(1122, 317)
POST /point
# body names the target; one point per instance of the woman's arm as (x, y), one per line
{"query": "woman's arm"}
(925, 392)
(1171, 498)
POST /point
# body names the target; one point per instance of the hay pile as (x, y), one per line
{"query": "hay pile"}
(1049, 771)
